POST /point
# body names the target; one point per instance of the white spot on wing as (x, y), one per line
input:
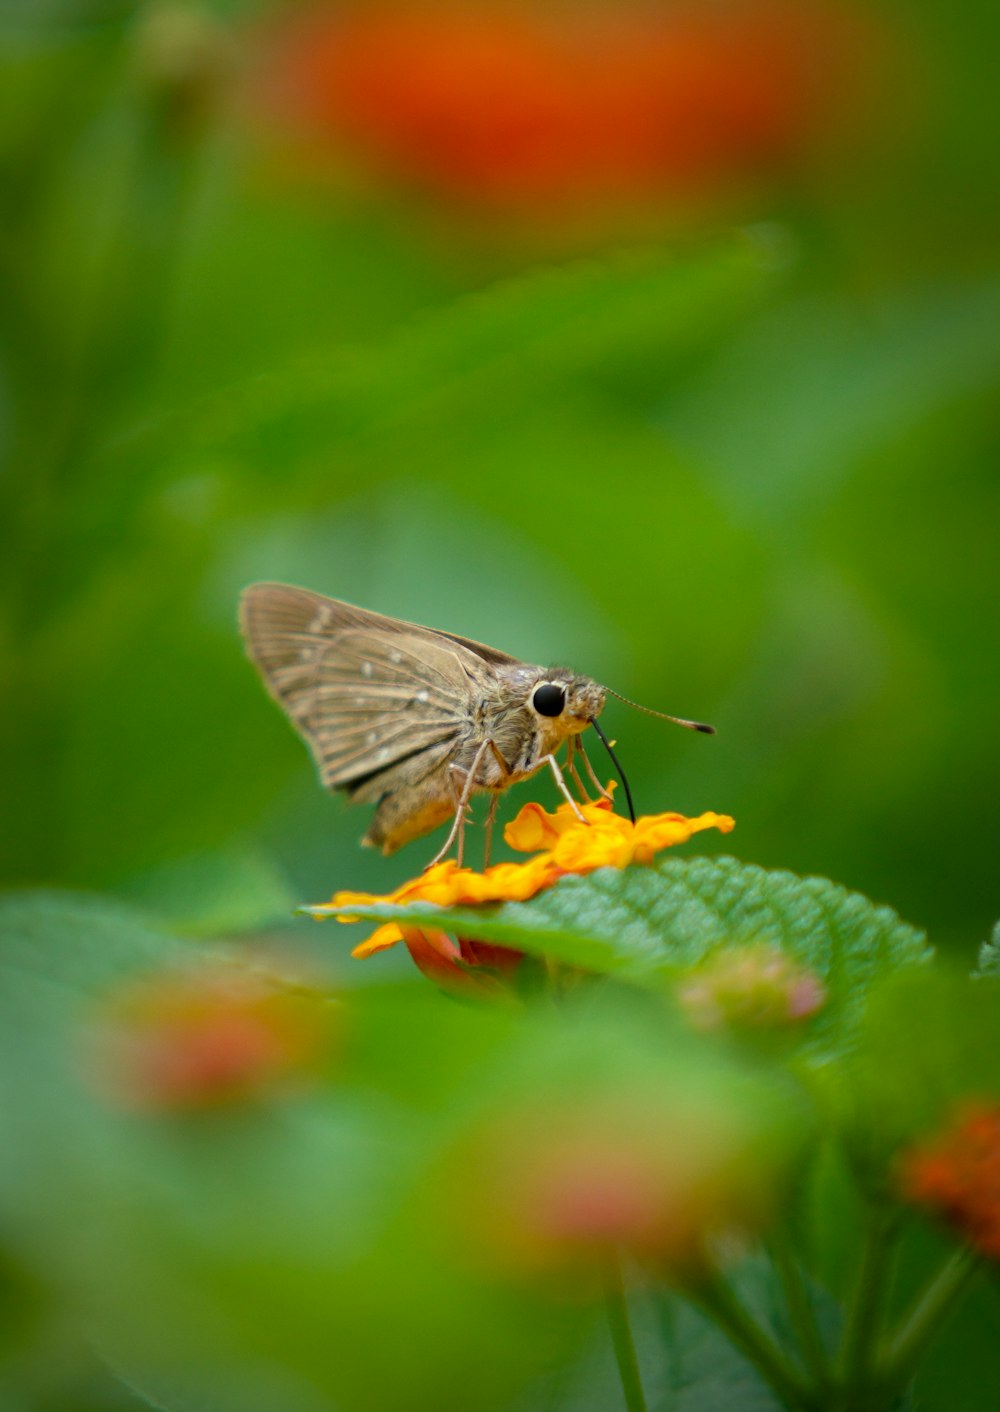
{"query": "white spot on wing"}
(366, 669)
(423, 697)
(395, 658)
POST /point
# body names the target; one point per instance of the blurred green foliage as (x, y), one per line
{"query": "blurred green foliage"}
(743, 468)
(345, 1241)
(748, 476)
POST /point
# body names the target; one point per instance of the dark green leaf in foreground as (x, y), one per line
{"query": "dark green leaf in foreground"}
(649, 925)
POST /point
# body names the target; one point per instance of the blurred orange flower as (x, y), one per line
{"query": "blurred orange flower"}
(206, 1036)
(957, 1175)
(564, 1184)
(545, 107)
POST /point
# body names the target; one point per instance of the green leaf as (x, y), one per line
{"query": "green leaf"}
(467, 370)
(234, 890)
(650, 925)
(685, 1362)
(927, 1047)
(57, 951)
(69, 944)
(706, 1373)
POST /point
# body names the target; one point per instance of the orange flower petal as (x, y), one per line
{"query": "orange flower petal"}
(532, 830)
(956, 1173)
(658, 831)
(437, 884)
(380, 940)
(516, 882)
(591, 846)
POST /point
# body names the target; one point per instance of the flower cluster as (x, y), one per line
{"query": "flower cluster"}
(569, 842)
(956, 1173)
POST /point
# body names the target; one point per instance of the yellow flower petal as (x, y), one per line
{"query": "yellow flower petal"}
(380, 940)
(510, 882)
(532, 830)
(596, 845)
(535, 828)
(437, 884)
(657, 831)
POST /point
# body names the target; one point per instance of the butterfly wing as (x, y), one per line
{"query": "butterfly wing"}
(381, 703)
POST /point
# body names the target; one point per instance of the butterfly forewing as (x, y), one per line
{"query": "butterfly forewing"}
(380, 702)
(375, 703)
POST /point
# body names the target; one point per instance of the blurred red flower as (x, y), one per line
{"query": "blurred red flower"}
(558, 1186)
(205, 1036)
(956, 1174)
(547, 108)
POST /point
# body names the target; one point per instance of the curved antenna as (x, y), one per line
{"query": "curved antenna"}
(662, 715)
(615, 762)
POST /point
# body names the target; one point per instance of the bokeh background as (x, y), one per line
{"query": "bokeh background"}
(660, 339)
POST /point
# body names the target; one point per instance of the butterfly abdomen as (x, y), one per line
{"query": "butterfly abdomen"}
(411, 811)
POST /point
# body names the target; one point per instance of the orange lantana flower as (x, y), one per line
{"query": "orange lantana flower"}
(956, 1174)
(563, 843)
(606, 840)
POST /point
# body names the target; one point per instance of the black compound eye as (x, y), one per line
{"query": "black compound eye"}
(549, 699)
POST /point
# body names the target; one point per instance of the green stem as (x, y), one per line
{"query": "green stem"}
(925, 1317)
(621, 1337)
(801, 1312)
(718, 1302)
(867, 1307)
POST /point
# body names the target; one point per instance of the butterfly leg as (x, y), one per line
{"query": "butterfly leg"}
(490, 817)
(591, 772)
(574, 772)
(461, 819)
(457, 829)
(561, 784)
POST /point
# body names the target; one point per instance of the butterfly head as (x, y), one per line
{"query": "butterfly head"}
(568, 702)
